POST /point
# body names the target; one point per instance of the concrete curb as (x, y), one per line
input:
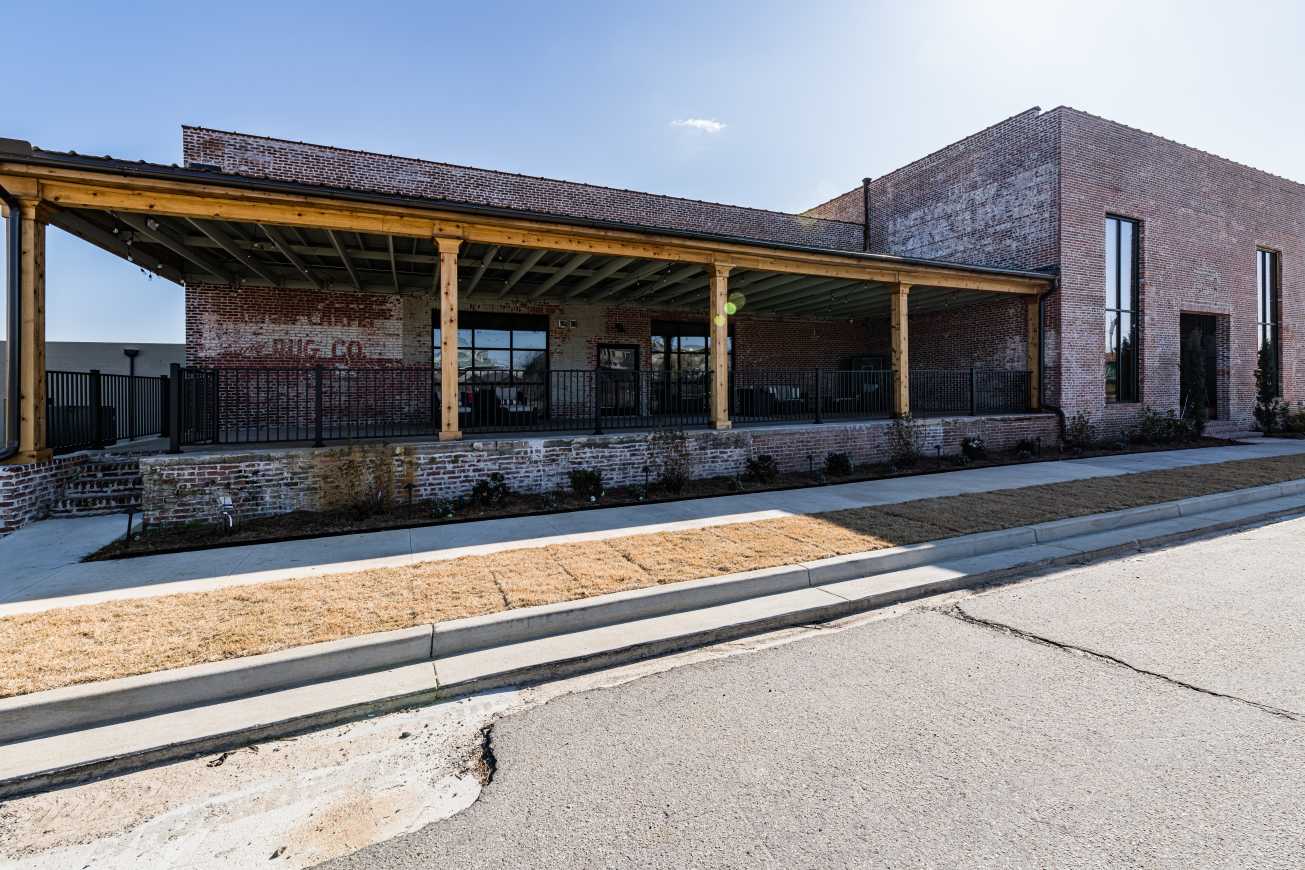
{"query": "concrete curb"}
(57, 711)
(154, 739)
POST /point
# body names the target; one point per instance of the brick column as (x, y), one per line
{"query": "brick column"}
(901, 351)
(448, 266)
(719, 330)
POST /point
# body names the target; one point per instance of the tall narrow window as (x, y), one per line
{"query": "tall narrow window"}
(1266, 304)
(1121, 358)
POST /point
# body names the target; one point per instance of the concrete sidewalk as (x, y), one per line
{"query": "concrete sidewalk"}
(42, 571)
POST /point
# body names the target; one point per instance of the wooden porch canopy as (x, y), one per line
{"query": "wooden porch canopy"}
(192, 225)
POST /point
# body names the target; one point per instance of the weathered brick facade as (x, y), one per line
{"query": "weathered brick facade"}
(1033, 192)
(271, 481)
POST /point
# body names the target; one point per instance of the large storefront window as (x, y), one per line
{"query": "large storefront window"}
(683, 347)
(499, 348)
(1121, 357)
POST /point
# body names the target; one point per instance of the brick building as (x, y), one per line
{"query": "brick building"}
(338, 295)
(1035, 192)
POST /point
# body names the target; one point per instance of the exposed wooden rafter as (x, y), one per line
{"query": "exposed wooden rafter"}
(97, 235)
(283, 245)
(490, 254)
(526, 265)
(344, 258)
(631, 279)
(598, 277)
(151, 228)
(576, 261)
(228, 244)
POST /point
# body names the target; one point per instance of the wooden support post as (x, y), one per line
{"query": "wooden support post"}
(901, 352)
(31, 335)
(1033, 308)
(448, 267)
(719, 330)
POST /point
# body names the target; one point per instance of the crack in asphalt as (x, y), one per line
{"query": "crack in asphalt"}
(957, 612)
(484, 764)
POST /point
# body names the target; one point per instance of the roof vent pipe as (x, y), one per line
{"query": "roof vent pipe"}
(865, 217)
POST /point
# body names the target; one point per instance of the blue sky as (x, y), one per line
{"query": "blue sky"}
(810, 96)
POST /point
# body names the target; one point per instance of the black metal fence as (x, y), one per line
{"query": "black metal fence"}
(266, 405)
(93, 409)
(936, 392)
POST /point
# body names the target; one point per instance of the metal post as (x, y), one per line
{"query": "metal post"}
(165, 385)
(819, 419)
(172, 406)
(97, 428)
(974, 399)
(598, 405)
(317, 415)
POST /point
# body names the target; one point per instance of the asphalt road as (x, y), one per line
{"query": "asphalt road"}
(1147, 712)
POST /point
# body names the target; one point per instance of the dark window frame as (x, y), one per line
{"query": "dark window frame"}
(1268, 306)
(672, 330)
(1127, 303)
(471, 321)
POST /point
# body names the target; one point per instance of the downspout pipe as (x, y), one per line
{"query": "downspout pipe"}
(865, 215)
(13, 310)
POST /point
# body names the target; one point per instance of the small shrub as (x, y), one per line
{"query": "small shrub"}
(904, 443)
(1269, 408)
(441, 508)
(587, 483)
(972, 447)
(838, 465)
(762, 469)
(673, 459)
(1294, 420)
(1167, 428)
(1026, 446)
(490, 491)
(371, 503)
(1079, 432)
(960, 460)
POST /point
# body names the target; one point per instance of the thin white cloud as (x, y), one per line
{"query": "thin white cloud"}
(705, 125)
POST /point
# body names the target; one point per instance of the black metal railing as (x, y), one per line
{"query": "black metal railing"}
(93, 409)
(937, 392)
(266, 405)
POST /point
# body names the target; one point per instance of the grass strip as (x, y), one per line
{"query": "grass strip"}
(119, 638)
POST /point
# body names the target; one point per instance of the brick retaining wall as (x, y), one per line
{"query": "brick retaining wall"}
(267, 482)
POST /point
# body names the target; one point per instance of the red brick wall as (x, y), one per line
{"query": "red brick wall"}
(989, 199)
(1202, 219)
(186, 488)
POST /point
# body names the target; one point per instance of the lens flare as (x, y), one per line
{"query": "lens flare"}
(719, 320)
(738, 300)
(731, 308)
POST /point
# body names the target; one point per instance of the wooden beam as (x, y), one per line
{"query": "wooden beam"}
(526, 265)
(152, 229)
(80, 188)
(448, 281)
(480, 269)
(283, 245)
(598, 277)
(1033, 314)
(672, 278)
(394, 266)
(633, 278)
(718, 329)
(576, 261)
(900, 328)
(344, 258)
(97, 235)
(32, 446)
(228, 244)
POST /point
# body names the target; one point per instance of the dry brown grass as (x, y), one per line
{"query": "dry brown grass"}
(100, 641)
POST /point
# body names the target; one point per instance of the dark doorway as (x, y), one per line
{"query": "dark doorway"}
(618, 379)
(1199, 334)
